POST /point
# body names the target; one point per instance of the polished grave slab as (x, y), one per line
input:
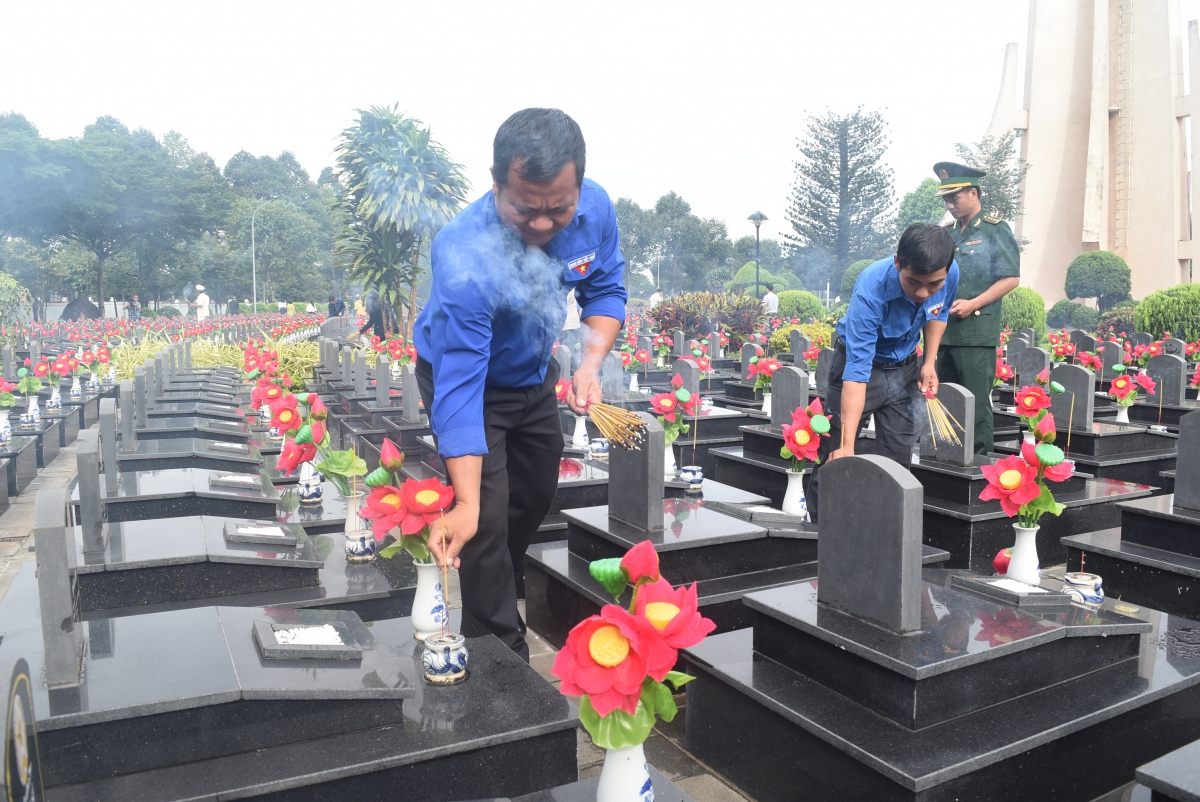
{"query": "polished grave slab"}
(193, 426)
(68, 424)
(191, 409)
(20, 456)
(1172, 777)
(777, 730)
(585, 791)
(181, 492)
(191, 452)
(1113, 451)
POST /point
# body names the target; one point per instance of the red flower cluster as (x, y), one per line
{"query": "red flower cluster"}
(412, 507)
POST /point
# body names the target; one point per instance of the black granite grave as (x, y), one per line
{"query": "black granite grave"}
(177, 493)
(883, 681)
(1174, 777)
(21, 466)
(48, 435)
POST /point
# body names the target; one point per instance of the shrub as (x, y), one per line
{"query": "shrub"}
(13, 297)
(149, 314)
(836, 313)
(169, 311)
(1061, 313)
(781, 341)
(636, 303)
(1101, 275)
(1085, 318)
(851, 275)
(695, 312)
(744, 279)
(1176, 310)
(1024, 308)
(801, 304)
(1118, 319)
(298, 308)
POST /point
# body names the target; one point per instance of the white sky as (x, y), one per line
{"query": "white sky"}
(704, 98)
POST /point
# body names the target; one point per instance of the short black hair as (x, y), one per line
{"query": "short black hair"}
(770, 287)
(925, 249)
(659, 289)
(542, 142)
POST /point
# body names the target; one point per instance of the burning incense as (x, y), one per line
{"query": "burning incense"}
(619, 425)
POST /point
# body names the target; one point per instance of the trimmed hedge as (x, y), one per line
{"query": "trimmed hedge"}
(801, 304)
(781, 341)
(1101, 275)
(851, 275)
(1024, 308)
(1176, 310)
(1060, 314)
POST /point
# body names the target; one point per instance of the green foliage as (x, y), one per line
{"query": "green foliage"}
(851, 275)
(1118, 319)
(401, 187)
(1099, 274)
(693, 312)
(148, 314)
(1001, 187)
(817, 333)
(620, 730)
(1024, 308)
(1084, 317)
(611, 576)
(744, 280)
(168, 311)
(1176, 310)
(922, 205)
(842, 188)
(686, 252)
(13, 297)
(1060, 314)
(836, 313)
(800, 304)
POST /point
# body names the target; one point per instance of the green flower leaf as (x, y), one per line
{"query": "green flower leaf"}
(820, 424)
(377, 478)
(678, 678)
(22, 372)
(786, 453)
(611, 576)
(304, 435)
(343, 463)
(658, 698)
(617, 730)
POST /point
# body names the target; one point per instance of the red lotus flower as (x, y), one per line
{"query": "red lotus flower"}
(1121, 387)
(41, 369)
(386, 508)
(424, 502)
(316, 407)
(1146, 383)
(293, 454)
(641, 562)
(799, 437)
(1043, 378)
(561, 388)
(1004, 371)
(318, 432)
(1045, 430)
(642, 355)
(626, 359)
(604, 659)
(1052, 473)
(1054, 339)
(704, 363)
(1013, 481)
(1195, 382)
(1060, 350)
(674, 616)
(284, 415)
(1031, 400)
(390, 456)
(666, 405)
(677, 381)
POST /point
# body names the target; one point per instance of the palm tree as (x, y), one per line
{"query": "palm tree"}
(399, 187)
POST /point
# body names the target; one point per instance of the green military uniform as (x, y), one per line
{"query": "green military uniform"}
(986, 252)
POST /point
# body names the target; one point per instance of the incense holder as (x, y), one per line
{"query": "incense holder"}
(1084, 588)
(599, 448)
(445, 658)
(693, 476)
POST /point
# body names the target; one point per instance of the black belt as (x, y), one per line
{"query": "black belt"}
(908, 360)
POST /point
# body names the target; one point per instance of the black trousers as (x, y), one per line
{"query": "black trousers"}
(520, 478)
(891, 398)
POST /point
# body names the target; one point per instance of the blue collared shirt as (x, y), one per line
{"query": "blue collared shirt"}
(882, 324)
(497, 307)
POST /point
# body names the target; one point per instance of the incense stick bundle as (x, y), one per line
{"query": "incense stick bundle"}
(942, 423)
(620, 426)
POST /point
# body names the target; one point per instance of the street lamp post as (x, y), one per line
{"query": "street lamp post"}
(758, 218)
(253, 264)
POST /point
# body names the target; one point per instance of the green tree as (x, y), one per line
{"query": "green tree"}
(1000, 190)
(287, 247)
(669, 241)
(842, 189)
(400, 187)
(1024, 308)
(1176, 310)
(800, 304)
(851, 275)
(922, 205)
(1101, 275)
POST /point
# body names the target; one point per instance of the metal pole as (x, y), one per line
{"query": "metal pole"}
(253, 264)
(756, 260)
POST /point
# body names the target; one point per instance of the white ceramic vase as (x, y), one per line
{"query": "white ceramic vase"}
(1024, 565)
(794, 502)
(34, 411)
(55, 401)
(766, 407)
(669, 463)
(1029, 438)
(625, 777)
(579, 439)
(360, 541)
(1084, 588)
(76, 390)
(659, 364)
(1122, 414)
(5, 427)
(429, 603)
(633, 384)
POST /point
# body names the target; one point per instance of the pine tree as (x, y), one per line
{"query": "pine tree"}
(842, 191)
(1001, 187)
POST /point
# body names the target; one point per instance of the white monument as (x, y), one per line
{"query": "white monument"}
(1102, 129)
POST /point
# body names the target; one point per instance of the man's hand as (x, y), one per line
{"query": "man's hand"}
(928, 383)
(844, 451)
(963, 307)
(584, 390)
(457, 527)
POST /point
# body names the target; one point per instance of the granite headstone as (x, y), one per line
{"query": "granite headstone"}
(959, 402)
(55, 555)
(10, 364)
(749, 350)
(139, 380)
(1173, 345)
(1169, 372)
(789, 391)
(1074, 405)
(91, 509)
(347, 362)
(869, 552)
(715, 351)
(635, 483)
(1029, 363)
(612, 377)
(824, 363)
(1083, 341)
(799, 344)
(1141, 338)
(108, 443)
(1113, 354)
(360, 373)
(383, 395)
(128, 430)
(410, 393)
(1187, 463)
(689, 373)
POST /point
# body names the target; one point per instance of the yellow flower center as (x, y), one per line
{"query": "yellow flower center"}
(608, 646)
(427, 497)
(1011, 480)
(1029, 401)
(285, 416)
(667, 403)
(661, 613)
(802, 437)
(391, 499)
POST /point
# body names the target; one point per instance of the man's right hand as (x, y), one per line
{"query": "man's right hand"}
(457, 527)
(844, 451)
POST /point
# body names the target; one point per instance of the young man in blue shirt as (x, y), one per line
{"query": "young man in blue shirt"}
(502, 270)
(876, 369)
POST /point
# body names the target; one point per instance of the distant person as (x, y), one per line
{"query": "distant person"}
(232, 308)
(374, 309)
(310, 308)
(202, 303)
(80, 309)
(656, 298)
(39, 309)
(282, 308)
(359, 307)
(771, 300)
(134, 309)
(333, 306)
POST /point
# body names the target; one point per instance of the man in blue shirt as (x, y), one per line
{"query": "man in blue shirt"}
(502, 270)
(876, 369)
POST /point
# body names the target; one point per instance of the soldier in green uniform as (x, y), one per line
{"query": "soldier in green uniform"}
(989, 263)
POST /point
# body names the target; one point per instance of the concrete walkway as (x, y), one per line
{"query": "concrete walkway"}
(16, 524)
